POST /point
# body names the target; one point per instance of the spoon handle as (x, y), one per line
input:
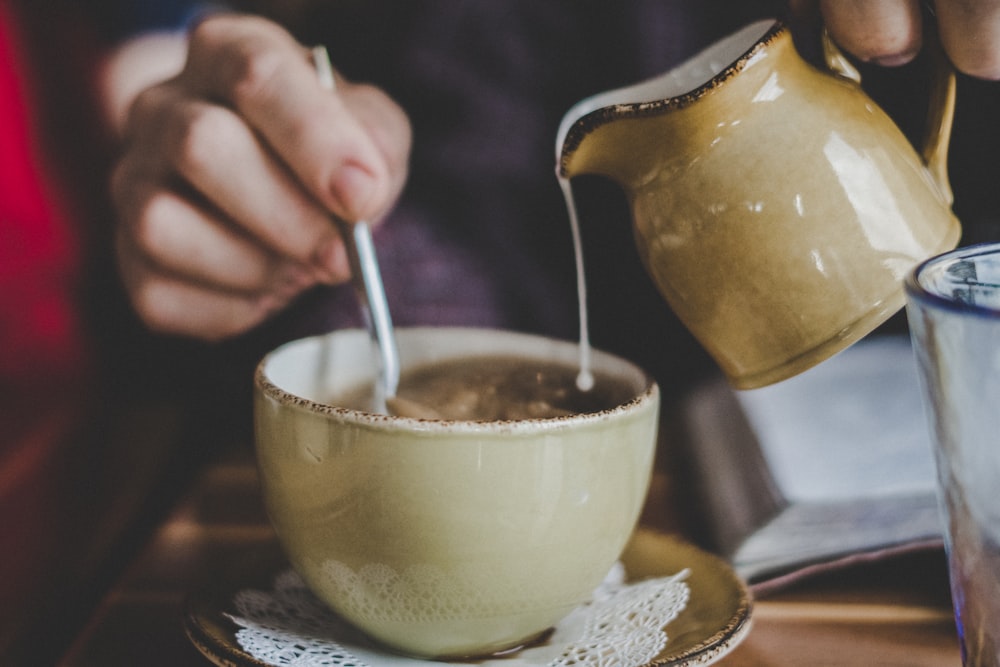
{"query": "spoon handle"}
(367, 278)
(374, 306)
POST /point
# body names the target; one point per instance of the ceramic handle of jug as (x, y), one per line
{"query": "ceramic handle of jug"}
(940, 109)
(836, 61)
(940, 114)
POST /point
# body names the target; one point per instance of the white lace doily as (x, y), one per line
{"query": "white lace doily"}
(621, 626)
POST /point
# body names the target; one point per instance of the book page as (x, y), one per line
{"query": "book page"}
(810, 533)
(851, 427)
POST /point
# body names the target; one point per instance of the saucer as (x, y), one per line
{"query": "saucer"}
(715, 619)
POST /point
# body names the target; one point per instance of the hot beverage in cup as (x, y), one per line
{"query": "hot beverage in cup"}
(464, 535)
(494, 388)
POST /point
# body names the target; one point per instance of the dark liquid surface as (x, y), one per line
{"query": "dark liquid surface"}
(495, 388)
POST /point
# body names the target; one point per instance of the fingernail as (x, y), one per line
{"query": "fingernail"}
(893, 60)
(354, 187)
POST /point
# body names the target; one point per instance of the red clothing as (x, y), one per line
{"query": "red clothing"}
(39, 332)
(42, 360)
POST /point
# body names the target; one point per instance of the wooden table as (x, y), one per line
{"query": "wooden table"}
(889, 613)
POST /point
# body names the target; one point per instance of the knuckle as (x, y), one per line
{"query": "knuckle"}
(149, 298)
(150, 310)
(152, 224)
(211, 29)
(159, 304)
(395, 122)
(244, 54)
(147, 291)
(219, 31)
(202, 137)
(253, 75)
(139, 209)
(145, 106)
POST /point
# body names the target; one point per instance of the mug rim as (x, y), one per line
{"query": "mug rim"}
(923, 296)
(264, 384)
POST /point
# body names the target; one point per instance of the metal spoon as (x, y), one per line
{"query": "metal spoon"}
(366, 278)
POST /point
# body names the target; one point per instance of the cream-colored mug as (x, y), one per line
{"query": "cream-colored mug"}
(775, 206)
(448, 538)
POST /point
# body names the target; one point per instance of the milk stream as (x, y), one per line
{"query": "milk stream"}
(585, 378)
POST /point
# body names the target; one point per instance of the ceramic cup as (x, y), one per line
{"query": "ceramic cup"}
(775, 206)
(447, 538)
(954, 316)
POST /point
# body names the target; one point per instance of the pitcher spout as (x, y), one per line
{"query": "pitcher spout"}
(608, 133)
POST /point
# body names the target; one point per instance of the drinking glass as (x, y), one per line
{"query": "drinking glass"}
(953, 307)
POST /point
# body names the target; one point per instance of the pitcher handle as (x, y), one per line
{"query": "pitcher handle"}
(940, 109)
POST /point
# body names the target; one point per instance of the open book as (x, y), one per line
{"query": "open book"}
(828, 465)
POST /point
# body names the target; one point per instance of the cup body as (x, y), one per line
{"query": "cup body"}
(954, 314)
(776, 207)
(445, 538)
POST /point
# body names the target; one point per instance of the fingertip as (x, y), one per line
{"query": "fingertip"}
(882, 33)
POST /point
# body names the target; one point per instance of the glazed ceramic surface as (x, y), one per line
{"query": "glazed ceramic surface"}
(446, 538)
(776, 207)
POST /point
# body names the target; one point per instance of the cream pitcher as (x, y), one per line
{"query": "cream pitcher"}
(775, 205)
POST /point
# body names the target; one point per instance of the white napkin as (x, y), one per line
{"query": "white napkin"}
(622, 625)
